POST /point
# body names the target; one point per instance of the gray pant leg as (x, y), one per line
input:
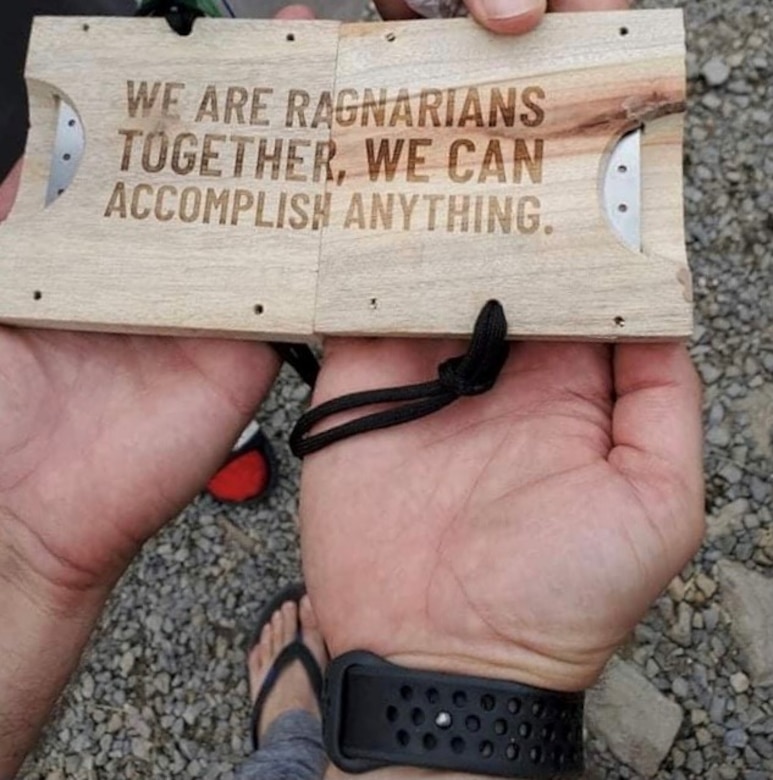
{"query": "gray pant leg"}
(290, 750)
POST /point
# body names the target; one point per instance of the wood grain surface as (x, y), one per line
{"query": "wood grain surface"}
(265, 179)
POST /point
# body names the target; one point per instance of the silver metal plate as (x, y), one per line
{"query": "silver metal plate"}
(622, 189)
(69, 144)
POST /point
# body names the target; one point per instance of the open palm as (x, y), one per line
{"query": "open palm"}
(103, 438)
(524, 532)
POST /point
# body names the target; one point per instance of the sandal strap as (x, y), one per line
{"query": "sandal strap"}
(295, 651)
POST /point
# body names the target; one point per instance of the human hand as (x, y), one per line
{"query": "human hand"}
(519, 534)
(500, 16)
(104, 438)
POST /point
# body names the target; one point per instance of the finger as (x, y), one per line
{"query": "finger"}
(295, 12)
(8, 190)
(657, 416)
(510, 17)
(353, 364)
(395, 9)
(589, 5)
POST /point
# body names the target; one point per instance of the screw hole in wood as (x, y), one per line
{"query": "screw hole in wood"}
(259, 309)
(391, 37)
(624, 31)
(37, 295)
(290, 37)
(620, 322)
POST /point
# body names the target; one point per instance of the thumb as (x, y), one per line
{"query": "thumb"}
(8, 190)
(509, 17)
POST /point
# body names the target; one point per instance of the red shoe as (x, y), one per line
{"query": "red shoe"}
(250, 473)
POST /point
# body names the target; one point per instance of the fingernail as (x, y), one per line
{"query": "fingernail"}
(507, 9)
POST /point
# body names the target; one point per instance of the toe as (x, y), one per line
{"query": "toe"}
(255, 664)
(265, 648)
(277, 633)
(290, 621)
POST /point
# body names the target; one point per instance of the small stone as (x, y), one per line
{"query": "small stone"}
(709, 373)
(712, 101)
(681, 631)
(717, 711)
(747, 597)
(703, 736)
(715, 72)
(698, 717)
(727, 519)
(731, 473)
(637, 722)
(695, 763)
(710, 618)
(719, 437)
(87, 686)
(680, 687)
(763, 746)
(677, 589)
(706, 584)
(115, 724)
(126, 663)
(163, 682)
(739, 682)
(760, 489)
(736, 738)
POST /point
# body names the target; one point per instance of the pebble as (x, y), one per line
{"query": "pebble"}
(736, 738)
(748, 598)
(716, 72)
(711, 101)
(637, 722)
(680, 687)
(706, 585)
(681, 631)
(739, 682)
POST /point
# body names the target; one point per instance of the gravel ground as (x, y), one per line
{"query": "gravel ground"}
(162, 691)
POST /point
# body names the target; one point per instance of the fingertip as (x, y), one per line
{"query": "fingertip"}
(8, 190)
(645, 364)
(508, 17)
(298, 12)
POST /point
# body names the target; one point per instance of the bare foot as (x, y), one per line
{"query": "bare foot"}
(292, 690)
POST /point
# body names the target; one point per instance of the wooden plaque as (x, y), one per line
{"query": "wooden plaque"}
(286, 180)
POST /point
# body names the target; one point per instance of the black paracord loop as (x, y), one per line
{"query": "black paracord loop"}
(179, 14)
(473, 373)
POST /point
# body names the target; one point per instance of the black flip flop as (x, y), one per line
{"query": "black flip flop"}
(295, 651)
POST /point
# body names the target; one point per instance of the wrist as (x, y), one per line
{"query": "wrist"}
(378, 714)
(37, 575)
(44, 632)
